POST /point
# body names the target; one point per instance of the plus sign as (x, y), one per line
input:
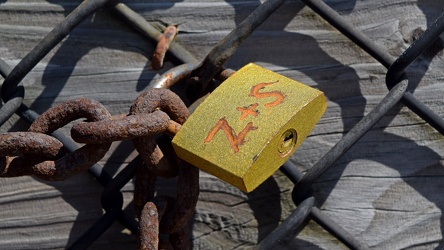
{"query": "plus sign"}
(250, 110)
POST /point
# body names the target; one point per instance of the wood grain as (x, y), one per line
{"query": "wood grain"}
(386, 190)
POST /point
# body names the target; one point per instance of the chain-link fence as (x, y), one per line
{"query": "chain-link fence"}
(45, 157)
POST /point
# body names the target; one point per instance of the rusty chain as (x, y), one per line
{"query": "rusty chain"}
(158, 111)
(153, 112)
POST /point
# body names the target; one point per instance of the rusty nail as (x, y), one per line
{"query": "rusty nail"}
(162, 46)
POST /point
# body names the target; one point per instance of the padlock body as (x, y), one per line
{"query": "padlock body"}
(249, 126)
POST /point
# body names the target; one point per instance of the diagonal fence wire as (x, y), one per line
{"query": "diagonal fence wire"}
(12, 94)
(19, 72)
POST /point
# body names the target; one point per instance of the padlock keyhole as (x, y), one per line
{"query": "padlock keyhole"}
(287, 142)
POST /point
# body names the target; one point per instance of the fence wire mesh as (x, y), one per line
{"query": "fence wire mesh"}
(12, 93)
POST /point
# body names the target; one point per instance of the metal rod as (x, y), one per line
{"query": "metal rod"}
(397, 69)
(359, 38)
(323, 220)
(214, 61)
(289, 226)
(95, 231)
(54, 37)
(139, 23)
(390, 100)
(414, 51)
(97, 171)
(15, 100)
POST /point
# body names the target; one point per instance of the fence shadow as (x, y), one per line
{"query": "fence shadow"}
(336, 76)
(60, 68)
(341, 85)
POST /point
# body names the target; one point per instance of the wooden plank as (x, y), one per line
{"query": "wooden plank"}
(385, 191)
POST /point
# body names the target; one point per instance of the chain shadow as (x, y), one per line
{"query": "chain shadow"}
(349, 98)
(88, 36)
(339, 75)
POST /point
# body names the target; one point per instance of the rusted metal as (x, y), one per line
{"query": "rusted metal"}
(17, 166)
(32, 147)
(162, 99)
(212, 66)
(122, 128)
(186, 200)
(224, 74)
(68, 165)
(165, 245)
(81, 159)
(180, 239)
(151, 154)
(29, 143)
(181, 73)
(172, 76)
(162, 46)
(149, 227)
(144, 188)
(172, 128)
(152, 213)
(139, 23)
(176, 220)
(60, 115)
(173, 216)
(154, 158)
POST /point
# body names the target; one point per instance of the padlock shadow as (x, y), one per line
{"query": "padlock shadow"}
(419, 167)
(351, 83)
(341, 85)
(300, 51)
(265, 202)
(400, 154)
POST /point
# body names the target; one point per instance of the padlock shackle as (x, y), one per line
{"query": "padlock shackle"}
(172, 76)
(175, 75)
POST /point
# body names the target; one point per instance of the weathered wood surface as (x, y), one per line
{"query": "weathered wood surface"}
(386, 191)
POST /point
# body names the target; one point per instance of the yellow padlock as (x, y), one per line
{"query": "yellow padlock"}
(249, 126)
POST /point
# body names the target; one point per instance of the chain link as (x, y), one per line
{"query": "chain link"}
(153, 112)
(158, 111)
